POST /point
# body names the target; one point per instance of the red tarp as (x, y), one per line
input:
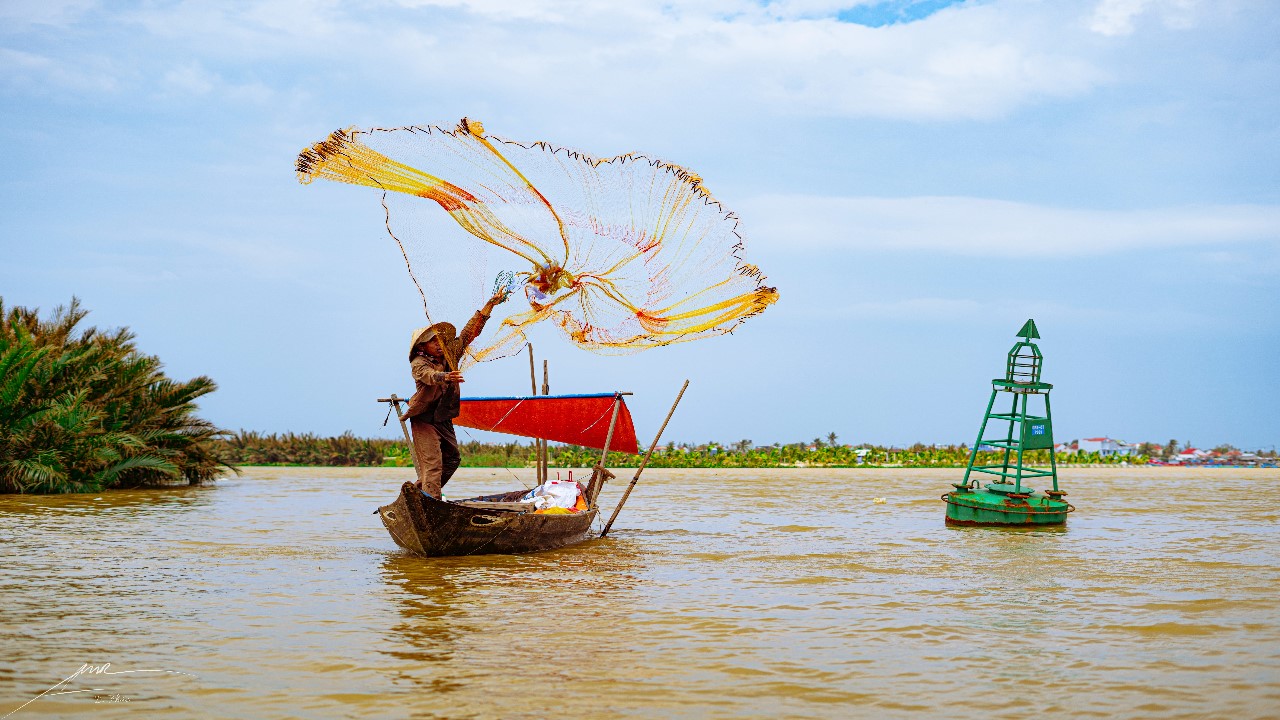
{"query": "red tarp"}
(574, 419)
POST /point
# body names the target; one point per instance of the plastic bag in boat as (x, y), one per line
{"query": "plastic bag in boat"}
(553, 493)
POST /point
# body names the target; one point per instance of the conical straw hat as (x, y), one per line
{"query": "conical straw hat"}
(446, 331)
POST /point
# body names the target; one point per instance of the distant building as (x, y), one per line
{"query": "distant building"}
(1105, 446)
(1191, 455)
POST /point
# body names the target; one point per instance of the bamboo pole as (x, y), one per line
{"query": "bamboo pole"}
(644, 462)
(598, 473)
(533, 378)
(395, 403)
(546, 452)
(537, 444)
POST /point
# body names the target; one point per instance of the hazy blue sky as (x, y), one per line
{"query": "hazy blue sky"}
(917, 178)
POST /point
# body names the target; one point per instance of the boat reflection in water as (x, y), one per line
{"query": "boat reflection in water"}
(456, 612)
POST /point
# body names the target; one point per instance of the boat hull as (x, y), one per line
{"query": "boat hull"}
(982, 507)
(434, 528)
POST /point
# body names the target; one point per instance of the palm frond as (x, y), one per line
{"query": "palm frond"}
(82, 409)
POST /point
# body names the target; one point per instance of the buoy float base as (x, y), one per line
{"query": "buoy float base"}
(998, 505)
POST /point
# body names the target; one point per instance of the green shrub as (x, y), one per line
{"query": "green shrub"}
(83, 410)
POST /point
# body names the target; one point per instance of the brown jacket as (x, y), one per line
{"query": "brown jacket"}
(433, 397)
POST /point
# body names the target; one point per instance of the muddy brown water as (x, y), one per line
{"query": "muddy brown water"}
(720, 594)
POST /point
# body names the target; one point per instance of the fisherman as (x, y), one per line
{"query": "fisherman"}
(434, 354)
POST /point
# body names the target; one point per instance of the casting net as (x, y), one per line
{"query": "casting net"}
(623, 254)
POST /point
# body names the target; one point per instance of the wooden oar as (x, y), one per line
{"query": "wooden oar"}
(644, 462)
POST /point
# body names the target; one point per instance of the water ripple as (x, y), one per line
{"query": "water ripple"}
(718, 595)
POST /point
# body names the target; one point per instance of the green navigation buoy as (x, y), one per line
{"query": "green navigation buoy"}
(1008, 500)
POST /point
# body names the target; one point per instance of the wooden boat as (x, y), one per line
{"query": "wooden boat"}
(501, 523)
(426, 526)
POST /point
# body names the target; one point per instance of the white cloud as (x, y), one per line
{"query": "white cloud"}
(21, 13)
(35, 71)
(982, 227)
(1116, 17)
(975, 63)
(974, 60)
(810, 8)
(194, 79)
(191, 79)
(934, 310)
(17, 60)
(790, 58)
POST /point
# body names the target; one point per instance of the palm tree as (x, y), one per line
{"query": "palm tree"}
(82, 410)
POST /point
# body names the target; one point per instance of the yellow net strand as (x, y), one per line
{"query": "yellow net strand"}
(644, 255)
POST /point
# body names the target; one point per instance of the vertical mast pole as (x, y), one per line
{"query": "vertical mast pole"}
(546, 451)
(537, 444)
(533, 378)
(598, 477)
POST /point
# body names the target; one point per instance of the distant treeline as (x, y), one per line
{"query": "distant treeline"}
(252, 448)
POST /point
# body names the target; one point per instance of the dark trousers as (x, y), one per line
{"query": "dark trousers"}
(436, 456)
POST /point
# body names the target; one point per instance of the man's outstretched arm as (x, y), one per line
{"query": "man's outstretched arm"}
(475, 325)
